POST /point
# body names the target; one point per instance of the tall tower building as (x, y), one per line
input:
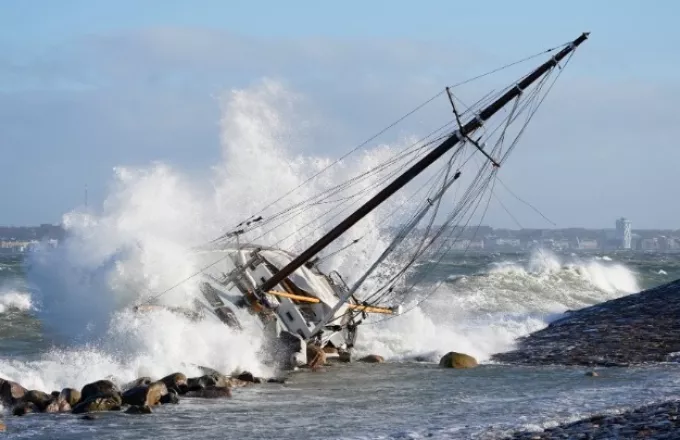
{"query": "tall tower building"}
(624, 233)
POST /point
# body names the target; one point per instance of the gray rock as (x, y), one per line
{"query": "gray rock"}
(635, 329)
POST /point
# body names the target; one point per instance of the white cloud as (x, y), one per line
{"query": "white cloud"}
(600, 148)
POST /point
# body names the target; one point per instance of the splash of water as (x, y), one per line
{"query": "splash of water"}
(485, 313)
(138, 244)
(15, 300)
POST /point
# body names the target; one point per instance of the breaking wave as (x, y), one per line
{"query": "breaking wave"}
(136, 246)
(15, 300)
(485, 313)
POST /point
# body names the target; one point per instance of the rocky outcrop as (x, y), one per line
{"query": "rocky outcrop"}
(660, 421)
(145, 395)
(104, 395)
(94, 404)
(635, 329)
(175, 381)
(23, 408)
(10, 392)
(140, 381)
(69, 395)
(99, 388)
(453, 359)
(171, 398)
(38, 398)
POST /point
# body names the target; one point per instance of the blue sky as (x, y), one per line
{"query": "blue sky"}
(86, 86)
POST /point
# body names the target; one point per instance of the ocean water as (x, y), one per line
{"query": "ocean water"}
(485, 302)
(65, 316)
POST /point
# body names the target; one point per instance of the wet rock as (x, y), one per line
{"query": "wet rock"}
(89, 417)
(98, 388)
(316, 357)
(10, 392)
(657, 421)
(175, 381)
(145, 395)
(3, 428)
(457, 360)
(101, 403)
(210, 393)
(70, 396)
(55, 394)
(57, 406)
(138, 410)
(372, 359)
(140, 381)
(246, 376)
(38, 398)
(281, 380)
(198, 383)
(344, 357)
(592, 374)
(23, 408)
(632, 330)
(171, 398)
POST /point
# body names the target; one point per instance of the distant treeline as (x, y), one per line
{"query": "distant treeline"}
(28, 233)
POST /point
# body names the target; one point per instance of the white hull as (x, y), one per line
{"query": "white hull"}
(227, 294)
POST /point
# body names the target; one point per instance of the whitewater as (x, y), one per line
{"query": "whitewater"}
(66, 316)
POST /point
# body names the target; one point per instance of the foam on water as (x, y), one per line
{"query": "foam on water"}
(14, 300)
(485, 313)
(137, 245)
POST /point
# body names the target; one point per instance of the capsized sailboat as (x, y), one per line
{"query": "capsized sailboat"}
(299, 303)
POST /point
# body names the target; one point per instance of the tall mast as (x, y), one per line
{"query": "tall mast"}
(420, 166)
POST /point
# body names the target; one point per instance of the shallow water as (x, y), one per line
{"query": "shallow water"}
(486, 301)
(387, 401)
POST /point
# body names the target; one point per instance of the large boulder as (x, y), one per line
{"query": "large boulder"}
(171, 398)
(38, 398)
(457, 360)
(372, 359)
(52, 407)
(101, 403)
(23, 408)
(57, 406)
(145, 395)
(10, 392)
(98, 388)
(175, 381)
(70, 396)
(140, 381)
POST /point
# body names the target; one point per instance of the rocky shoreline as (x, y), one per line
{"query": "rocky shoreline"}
(635, 329)
(658, 421)
(136, 397)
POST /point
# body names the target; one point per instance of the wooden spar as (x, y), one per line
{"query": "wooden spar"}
(309, 299)
(420, 166)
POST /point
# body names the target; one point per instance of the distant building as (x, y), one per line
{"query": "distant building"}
(624, 233)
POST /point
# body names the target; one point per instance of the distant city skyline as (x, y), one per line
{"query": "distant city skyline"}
(87, 88)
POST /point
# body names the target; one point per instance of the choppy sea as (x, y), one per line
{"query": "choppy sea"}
(485, 302)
